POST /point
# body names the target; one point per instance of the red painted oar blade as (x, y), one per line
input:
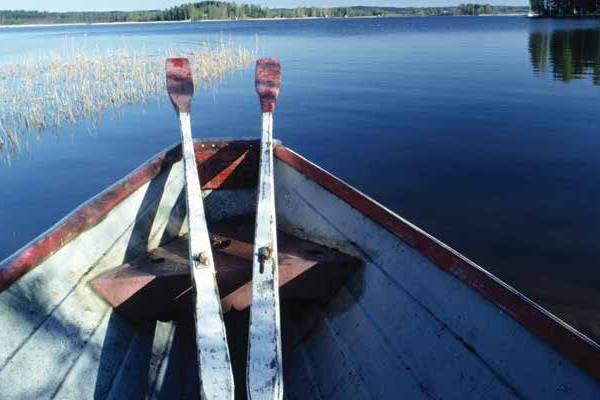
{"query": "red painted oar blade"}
(268, 82)
(180, 83)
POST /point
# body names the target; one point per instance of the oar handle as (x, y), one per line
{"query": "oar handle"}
(268, 82)
(180, 83)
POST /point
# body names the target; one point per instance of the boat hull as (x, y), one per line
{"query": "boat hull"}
(420, 320)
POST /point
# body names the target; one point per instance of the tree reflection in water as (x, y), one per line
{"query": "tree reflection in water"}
(572, 54)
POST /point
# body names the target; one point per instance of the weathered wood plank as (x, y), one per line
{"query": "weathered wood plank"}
(178, 376)
(19, 318)
(53, 348)
(299, 377)
(131, 380)
(407, 337)
(120, 361)
(96, 367)
(333, 367)
(135, 224)
(163, 345)
(300, 383)
(384, 374)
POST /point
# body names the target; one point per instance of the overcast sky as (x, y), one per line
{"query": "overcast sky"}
(104, 5)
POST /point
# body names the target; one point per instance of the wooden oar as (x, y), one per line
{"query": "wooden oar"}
(216, 377)
(264, 378)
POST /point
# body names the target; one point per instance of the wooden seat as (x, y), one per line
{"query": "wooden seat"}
(157, 285)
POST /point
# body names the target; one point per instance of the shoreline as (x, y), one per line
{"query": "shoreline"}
(17, 26)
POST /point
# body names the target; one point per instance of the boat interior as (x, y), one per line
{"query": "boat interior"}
(366, 311)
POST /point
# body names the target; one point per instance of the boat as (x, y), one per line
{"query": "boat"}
(371, 306)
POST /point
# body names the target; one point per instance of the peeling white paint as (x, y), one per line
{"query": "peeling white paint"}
(264, 370)
(216, 375)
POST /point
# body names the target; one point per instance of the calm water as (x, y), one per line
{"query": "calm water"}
(483, 131)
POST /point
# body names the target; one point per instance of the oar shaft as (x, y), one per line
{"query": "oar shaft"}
(267, 133)
(265, 372)
(215, 372)
(193, 191)
(266, 225)
(216, 377)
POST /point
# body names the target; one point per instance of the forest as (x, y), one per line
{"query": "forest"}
(212, 10)
(565, 8)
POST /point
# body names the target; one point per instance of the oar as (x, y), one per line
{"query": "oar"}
(216, 377)
(264, 378)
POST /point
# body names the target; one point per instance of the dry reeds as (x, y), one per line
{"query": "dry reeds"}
(42, 94)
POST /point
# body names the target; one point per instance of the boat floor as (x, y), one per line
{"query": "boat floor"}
(157, 286)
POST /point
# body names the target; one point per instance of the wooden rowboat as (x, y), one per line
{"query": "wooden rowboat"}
(371, 306)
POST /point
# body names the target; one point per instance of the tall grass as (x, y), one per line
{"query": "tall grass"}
(41, 94)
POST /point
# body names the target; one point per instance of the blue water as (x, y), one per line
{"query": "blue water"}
(482, 131)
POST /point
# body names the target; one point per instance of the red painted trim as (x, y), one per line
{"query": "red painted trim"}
(214, 158)
(580, 349)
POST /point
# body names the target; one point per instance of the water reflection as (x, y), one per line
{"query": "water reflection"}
(572, 54)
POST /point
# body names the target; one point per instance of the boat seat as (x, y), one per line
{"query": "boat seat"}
(157, 285)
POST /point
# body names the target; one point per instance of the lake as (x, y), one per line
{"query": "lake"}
(482, 131)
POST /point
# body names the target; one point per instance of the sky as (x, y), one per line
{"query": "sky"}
(106, 5)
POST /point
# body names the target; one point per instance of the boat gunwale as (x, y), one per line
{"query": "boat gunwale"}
(564, 338)
(93, 211)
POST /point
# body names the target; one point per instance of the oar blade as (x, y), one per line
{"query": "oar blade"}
(180, 83)
(268, 82)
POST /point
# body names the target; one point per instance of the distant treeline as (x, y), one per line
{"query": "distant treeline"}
(565, 8)
(364, 11)
(210, 10)
(40, 17)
